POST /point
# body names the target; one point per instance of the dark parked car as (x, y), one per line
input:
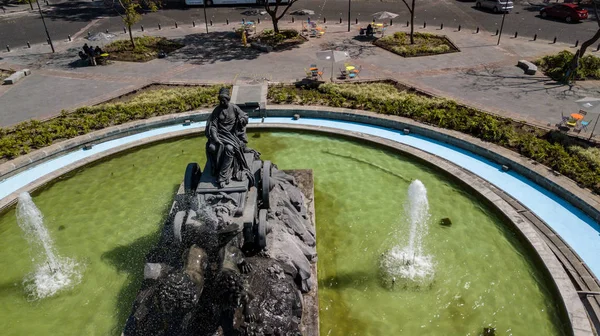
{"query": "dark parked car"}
(565, 11)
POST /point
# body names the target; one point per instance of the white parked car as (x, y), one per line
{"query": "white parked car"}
(496, 6)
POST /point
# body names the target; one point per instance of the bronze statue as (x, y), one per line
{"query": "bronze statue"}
(231, 260)
(226, 133)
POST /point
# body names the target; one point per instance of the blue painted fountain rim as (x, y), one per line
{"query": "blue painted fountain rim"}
(577, 229)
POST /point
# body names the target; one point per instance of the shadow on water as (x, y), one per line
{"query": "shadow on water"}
(11, 288)
(130, 259)
(356, 279)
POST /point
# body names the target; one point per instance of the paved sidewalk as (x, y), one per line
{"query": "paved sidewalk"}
(483, 74)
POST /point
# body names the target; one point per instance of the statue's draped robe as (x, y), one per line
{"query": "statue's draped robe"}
(228, 125)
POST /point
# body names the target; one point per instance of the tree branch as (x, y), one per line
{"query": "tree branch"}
(290, 3)
(408, 6)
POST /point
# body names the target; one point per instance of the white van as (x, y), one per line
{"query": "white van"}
(496, 6)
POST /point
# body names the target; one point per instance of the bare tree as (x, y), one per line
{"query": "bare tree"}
(411, 10)
(572, 69)
(129, 11)
(272, 7)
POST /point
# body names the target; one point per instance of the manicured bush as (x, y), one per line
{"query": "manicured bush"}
(34, 134)
(146, 48)
(425, 44)
(557, 152)
(555, 66)
(284, 39)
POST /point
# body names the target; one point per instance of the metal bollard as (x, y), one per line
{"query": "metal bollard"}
(576, 43)
(142, 28)
(598, 47)
(176, 24)
(324, 20)
(124, 30)
(424, 24)
(554, 40)
(356, 20)
(7, 48)
(69, 37)
(535, 37)
(497, 31)
(407, 23)
(340, 20)
(442, 26)
(459, 27)
(516, 34)
(28, 44)
(211, 22)
(391, 23)
(227, 20)
(48, 41)
(159, 28)
(292, 19)
(193, 23)
(258, 20)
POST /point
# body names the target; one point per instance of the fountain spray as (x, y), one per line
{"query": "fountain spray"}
(52, 273)
(409, 266)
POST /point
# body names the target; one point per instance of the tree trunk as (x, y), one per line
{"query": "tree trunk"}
(30, 4)
(275, 23)
(131, 37)
(412, 23)
(572, 68)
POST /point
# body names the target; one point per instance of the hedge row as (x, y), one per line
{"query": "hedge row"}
(30, 135)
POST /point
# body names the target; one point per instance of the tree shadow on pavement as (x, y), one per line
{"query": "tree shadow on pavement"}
(492, 79)
(79, 11)
(356, 47)
(212, 48)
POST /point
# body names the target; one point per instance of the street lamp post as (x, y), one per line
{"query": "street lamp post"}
(349, 18)
(44, 22)
(205, 21)
(501, 26)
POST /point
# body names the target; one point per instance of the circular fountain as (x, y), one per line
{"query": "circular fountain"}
(116, 209)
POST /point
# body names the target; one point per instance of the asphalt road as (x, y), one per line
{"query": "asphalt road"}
(72, 16)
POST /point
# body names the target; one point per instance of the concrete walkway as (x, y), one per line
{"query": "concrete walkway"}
(482, 75)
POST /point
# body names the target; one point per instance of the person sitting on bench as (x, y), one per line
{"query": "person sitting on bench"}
(369, 30)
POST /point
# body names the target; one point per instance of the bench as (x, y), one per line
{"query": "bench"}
(17, 76)
(530, 68)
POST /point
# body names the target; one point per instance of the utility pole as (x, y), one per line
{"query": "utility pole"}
(349, 18)
(501, 26)
(205, 21)
(44, 22)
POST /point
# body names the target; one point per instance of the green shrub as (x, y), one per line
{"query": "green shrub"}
(34, 134)
(425, 44)
(146, 48)
(558, 153)
(556, 66)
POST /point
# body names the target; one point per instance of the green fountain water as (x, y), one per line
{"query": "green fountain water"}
(108, 215)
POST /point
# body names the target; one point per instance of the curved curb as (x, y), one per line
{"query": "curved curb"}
(575, 311)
